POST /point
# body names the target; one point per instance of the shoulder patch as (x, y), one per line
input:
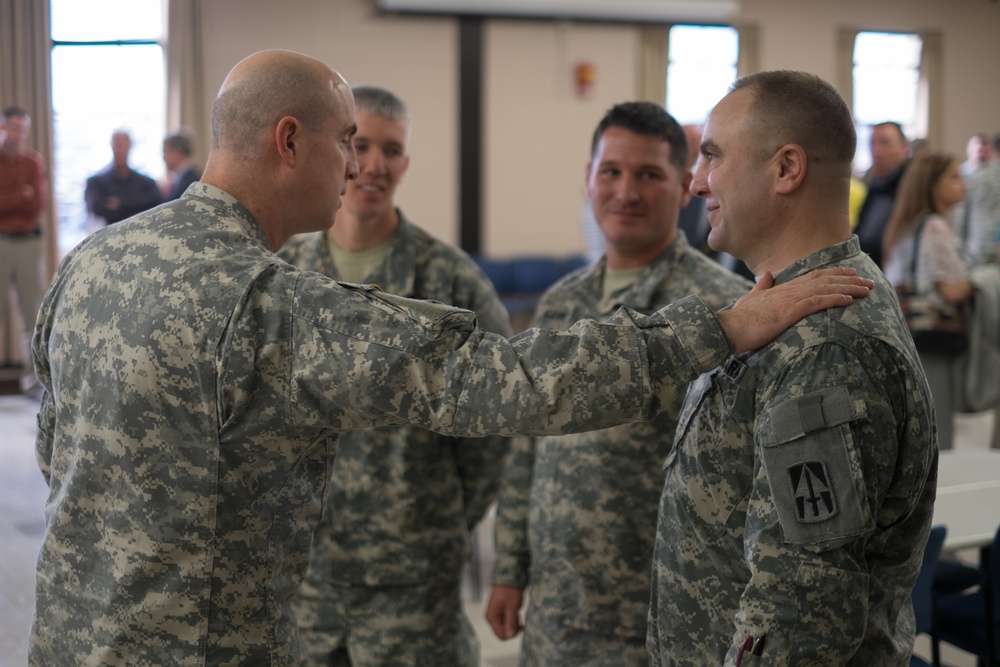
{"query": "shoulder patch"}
(809, 455)
(814, 497)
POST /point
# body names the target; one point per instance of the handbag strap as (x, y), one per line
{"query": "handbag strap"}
(916, 251)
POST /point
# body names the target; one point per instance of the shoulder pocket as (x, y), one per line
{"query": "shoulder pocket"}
(810, 457)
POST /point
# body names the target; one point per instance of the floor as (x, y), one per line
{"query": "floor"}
(22, 495)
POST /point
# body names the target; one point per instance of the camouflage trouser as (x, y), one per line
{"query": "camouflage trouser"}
(401, 626)
(542, 648)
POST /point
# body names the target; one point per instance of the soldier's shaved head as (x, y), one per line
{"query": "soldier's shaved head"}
(265, 87)
(282, 128)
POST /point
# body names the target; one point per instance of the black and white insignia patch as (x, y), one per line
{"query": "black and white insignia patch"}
(813, 493)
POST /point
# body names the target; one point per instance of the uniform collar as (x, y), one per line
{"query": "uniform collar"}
(222, 199)
(830, 256)
(643, 292)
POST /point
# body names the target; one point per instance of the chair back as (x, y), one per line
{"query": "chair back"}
(534, 275)
(923, 601)
(971, 620)
(991, 593)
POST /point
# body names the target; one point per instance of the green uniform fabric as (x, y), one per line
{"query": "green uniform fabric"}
(195, 385)
(799, 493)
(402, 499)
(577, 515)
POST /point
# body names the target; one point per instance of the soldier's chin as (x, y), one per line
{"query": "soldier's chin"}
(715, 241)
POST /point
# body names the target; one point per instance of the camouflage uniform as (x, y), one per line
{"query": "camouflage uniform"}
(799, 493)
(195, 384)
(583, 538)
(402, 499)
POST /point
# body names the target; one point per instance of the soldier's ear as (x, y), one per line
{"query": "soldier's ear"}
(791, 164)
(287, 138)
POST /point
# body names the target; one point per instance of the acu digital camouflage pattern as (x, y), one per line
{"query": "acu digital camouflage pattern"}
(799, 493)
(582, 539)
(398, 626)
(402, 499)
(195, 384)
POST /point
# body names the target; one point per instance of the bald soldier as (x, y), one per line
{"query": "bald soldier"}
(196, 383)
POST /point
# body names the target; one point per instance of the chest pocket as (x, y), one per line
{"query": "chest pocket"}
(814, 469)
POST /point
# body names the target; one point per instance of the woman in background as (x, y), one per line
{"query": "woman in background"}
(931, 188)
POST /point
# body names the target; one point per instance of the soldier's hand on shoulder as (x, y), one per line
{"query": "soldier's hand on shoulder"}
(766, 311)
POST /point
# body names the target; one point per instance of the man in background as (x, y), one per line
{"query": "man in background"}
(384, 581)
(118, 191)
(980, 224)
(890, 155)
(181, 171)
(577, 514)
(978, 152)
(799, 490)
(23, 192)
(982, 208)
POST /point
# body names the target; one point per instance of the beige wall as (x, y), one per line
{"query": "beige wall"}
(801, 34)
(536, 129)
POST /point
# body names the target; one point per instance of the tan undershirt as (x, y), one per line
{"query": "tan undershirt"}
(355, 267)
(616, 280)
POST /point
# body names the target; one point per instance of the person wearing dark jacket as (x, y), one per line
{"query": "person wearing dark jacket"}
(890, 156)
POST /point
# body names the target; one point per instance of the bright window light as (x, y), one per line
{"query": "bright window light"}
(701, 68)
(886, 86)
(98, 86)
(106, 20)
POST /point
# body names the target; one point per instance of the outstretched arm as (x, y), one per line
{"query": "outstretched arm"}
(766, 311)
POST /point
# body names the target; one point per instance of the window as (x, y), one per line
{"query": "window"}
(108, 72)
(887, 85)
(701, 66)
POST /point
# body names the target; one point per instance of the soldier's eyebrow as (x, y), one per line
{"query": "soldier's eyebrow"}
(709, 146)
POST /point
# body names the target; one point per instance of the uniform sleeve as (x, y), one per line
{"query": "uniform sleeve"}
(480, 460)
(480, 465)
(513, 555)
(46, 417)
(46, 420)
(828, 489)
(362, 358)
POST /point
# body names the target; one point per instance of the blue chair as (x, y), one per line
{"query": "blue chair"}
(499, 272)
(575, 262)
(971, 621)
(530, 276)
(534, 275)
(923, 596)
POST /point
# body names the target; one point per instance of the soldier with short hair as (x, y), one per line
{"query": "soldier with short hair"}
(384, 580)
(799, 490)
(577, 515)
